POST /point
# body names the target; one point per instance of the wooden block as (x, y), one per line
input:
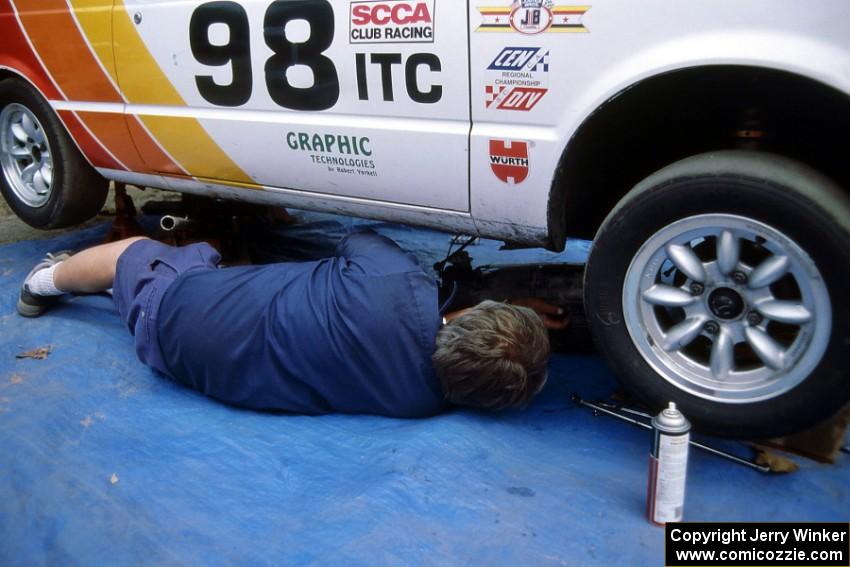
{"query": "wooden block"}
(821, 443)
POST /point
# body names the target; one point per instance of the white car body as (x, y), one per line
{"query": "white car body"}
(431, 162)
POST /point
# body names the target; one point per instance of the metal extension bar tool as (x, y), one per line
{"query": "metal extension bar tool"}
(614, 411)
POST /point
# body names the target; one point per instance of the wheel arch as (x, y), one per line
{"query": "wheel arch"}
(674, 114)
(15, 73)
(84, 189)
(96, 154)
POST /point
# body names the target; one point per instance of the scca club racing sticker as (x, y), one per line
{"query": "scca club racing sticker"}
(509, 160)
(517, 79)
(348, 155)
(392, 21)
(531, 17)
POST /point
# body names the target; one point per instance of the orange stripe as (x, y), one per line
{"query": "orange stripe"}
(95, 153)
(112, 131)
(65, 52)
(17, 54)
(155, 158)
(57, 40)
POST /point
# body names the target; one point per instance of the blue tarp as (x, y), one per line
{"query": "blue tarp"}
(104, 462)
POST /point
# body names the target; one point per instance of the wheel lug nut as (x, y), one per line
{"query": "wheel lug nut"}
(712, 328)
(754, 318)
(697, 288)
(739, 278)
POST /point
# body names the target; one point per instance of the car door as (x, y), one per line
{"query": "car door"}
(528, 59)
(365, 99)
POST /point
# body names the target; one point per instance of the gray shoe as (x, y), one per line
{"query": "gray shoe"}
(30, 304)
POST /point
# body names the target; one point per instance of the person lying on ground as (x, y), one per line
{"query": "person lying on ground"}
(360, 332)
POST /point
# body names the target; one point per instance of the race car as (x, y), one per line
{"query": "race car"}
(699, 144)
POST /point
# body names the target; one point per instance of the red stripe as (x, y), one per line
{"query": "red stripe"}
(15, 53)
(92, 149)
(651, 487)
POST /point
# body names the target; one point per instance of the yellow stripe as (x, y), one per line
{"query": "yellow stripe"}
(556, 9)
(143, 82)
(230, 183)
(94, 17)
(508, 28)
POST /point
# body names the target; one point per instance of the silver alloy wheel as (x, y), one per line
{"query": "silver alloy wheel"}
(727, 308)
(25, 155)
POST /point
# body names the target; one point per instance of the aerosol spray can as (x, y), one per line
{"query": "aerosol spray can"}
(668, 466)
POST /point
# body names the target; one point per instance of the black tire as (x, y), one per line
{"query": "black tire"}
(780, 193)
(77, 192)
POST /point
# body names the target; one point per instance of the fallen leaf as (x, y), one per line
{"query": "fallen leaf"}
(114, 478)
(39, 353)
(777, 463)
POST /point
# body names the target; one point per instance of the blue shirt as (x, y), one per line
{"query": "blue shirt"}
(353, 333)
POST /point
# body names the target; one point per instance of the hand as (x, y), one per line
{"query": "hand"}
(553, 317)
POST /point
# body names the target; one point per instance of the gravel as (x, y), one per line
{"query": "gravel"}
(12, 229)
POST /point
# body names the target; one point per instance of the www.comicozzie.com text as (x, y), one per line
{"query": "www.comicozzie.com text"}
(726, 536)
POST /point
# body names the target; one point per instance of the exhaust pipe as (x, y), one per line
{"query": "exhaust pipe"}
(170, 223)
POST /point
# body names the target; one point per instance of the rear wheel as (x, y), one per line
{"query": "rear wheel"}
(720, 283)
(44, 178)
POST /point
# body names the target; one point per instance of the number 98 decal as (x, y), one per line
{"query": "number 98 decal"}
(324, 93)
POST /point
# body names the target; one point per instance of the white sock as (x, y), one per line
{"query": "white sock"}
(41, 282)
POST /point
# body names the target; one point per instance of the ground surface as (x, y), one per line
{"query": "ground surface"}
(105, 462)
(12, 229)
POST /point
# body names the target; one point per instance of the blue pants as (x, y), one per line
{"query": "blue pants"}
(144, 272)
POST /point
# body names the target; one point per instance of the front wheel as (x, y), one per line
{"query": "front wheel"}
(43, 177)
(720, 283)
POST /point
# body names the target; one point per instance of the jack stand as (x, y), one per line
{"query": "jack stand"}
(219, 223)
(125, 224)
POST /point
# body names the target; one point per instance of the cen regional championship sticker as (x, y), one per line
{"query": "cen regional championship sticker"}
(517, 79)
(392, 21)
(531, 17)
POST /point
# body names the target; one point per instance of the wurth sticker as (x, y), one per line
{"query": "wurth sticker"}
(518, 78)
(509, 160)
(531, 17)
